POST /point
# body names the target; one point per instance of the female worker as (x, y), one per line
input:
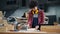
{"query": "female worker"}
(35, 16)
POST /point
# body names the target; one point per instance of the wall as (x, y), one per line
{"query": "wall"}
(2, 4)
(58, 13)
(52, 10)
(19, 12)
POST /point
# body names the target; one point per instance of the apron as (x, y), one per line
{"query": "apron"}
(35, 21)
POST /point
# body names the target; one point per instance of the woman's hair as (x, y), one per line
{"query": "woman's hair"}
(32, 4)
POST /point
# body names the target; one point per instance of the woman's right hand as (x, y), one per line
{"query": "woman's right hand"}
(36, 27)
(28, 26)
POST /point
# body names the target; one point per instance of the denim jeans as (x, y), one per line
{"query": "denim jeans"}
(35, 23)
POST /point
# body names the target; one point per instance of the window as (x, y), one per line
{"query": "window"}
(23, 3)
(10, 2)
(51, 0)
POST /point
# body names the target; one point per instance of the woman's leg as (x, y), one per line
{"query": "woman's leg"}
(39, 27)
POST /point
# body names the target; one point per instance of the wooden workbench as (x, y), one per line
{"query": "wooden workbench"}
(29, 33)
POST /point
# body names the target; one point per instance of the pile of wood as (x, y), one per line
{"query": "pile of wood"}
(4, 26)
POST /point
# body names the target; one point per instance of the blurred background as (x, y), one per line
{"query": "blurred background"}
(17, 8)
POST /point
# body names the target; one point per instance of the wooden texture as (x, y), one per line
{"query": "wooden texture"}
(28, 33)
(50, 28)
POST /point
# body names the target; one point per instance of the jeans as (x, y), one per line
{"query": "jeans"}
(35, 23)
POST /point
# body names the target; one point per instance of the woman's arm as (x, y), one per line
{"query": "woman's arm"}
(42, 15)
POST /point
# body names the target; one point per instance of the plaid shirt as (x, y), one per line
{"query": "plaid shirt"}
(40, 17)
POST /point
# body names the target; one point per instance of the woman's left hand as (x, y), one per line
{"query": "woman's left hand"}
(36, 27)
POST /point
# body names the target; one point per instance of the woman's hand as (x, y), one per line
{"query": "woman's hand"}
(28, 26)
(36, 27)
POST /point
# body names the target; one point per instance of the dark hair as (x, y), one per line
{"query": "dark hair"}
(32, 4)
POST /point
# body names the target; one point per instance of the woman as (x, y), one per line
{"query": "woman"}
(35, 16)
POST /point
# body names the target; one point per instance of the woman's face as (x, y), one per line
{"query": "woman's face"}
(35, 8)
